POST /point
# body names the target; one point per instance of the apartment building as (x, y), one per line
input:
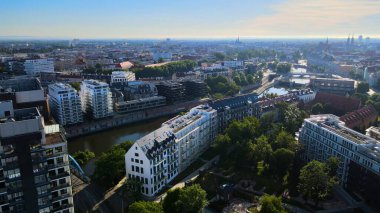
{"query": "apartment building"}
(25, 93)
(157, 158)
(323, 136)
(173, 91)
(122, 76)
(34, 170)
(35, 66)
(96, 99)
(236, 108)
(139, 104)
(65, 104)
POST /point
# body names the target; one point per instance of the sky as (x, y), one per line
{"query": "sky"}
(189, 18)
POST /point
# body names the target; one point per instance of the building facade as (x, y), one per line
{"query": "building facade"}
(139, 104)
(25, 93)
(35, 66)
(333, 85)
(122, 76)
(236, 108)
(96, 99)
(157, 158)
(65, 104)
(323, 136)
(34, 171)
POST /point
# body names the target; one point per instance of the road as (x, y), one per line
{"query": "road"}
(86, 196)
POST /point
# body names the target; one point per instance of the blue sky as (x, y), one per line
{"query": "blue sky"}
(189, 18)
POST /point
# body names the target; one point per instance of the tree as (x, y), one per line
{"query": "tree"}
(161, 60)
(332, 164)
(284, 161)
(315, 182)
(82, 157)
(283, 68)
(169, 203)
(145, 207)
(271, 204)
(285, 140)
(110, 167)
(133, 187)
(75, 85)
(220, 56)
(362, 87)
(192, 199)
(261, 150)
(317, 108)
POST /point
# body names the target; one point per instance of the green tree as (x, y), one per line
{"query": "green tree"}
(362, 87)
(145, 207)
(169, 203)
(161, 60)
(75, 85)
(315, 182)
(192, 199)
(261, 150)
(284, 161)
(317, 108)
(285, 140)
(133, 187)
(110, 167)
(283, 68)
(271, 204)
(220, 56)
(82, 157)
(332, 164)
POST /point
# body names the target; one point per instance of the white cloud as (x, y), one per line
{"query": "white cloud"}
(317, 18)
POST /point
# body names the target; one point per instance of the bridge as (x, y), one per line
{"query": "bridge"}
(308, 75)
(77, 170)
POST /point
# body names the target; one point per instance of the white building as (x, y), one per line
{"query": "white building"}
(96, 99)
(157, 158)
(35, 66)
(122, 76)
(65, 104)
(323, 136)
(233, 64)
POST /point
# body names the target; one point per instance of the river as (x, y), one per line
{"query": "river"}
(104, 140)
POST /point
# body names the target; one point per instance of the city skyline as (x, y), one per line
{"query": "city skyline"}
(190, 19)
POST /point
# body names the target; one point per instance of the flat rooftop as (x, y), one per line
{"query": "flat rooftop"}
(369, 146)
(19, 85)
(54, 138)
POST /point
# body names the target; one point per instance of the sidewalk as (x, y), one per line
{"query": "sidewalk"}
(192, 176)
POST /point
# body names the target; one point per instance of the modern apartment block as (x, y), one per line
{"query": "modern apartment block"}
(65, 104)
(140, 104)
(25, 93)
(323, 136)
(157, 158)
(122, 76)
(236, 108)
(96, 99)
(34, 170)
(173, 91)
(35, 66)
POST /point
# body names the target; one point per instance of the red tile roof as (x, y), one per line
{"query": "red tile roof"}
(361, 118)
(338, 102)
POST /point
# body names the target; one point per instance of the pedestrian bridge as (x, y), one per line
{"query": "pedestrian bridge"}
(77, 170)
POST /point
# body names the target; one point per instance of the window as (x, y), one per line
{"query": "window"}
(136, 154)
(141, 162)
(133, 168)
(132, 159)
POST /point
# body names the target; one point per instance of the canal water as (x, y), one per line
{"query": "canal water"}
(104, 140)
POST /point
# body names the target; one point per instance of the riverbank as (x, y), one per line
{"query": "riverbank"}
(124, 119)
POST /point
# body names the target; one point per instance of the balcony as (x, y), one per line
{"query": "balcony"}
(58, 187)
(60, 175)
(62, 207)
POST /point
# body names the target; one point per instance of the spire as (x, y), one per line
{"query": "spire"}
(348, 39)
(352, 39)
(327, 40)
